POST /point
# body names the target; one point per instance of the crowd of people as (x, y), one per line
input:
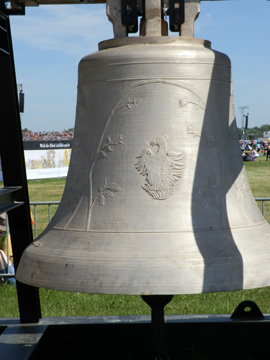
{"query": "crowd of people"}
(48, 135)
(252, 149)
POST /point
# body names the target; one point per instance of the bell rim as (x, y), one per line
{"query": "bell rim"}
(138, 271)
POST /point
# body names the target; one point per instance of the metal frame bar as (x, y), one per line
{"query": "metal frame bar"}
(13, 167)
(62, 2)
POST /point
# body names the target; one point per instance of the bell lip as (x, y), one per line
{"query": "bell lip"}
(152, 40)
(169, 273)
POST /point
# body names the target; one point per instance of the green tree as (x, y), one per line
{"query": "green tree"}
(265, 127)
(26, 130)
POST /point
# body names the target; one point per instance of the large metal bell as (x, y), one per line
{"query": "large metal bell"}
(156, 199)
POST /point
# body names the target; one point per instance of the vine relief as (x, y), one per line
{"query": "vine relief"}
(209, 192)
(106, 191)
(109, 145)
(162, 169)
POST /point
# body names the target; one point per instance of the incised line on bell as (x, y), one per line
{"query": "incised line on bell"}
(102, 152)
(106, 191)
(129, 105)
(162, 169)
(205, 190)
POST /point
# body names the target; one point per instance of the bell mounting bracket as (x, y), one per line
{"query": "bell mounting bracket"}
(129, 15)
(124, 16)
(177, 14)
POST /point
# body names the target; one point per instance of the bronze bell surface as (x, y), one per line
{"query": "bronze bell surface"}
(156, 200)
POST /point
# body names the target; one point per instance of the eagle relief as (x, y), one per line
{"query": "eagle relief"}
(161, 168)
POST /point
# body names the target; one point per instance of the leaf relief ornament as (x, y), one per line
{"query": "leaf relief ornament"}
(106, 191)
(109, 145)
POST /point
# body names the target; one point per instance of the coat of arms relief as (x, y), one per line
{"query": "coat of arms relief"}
(161, 168)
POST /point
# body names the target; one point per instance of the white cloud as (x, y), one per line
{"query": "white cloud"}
(67, 28)
(48, 43)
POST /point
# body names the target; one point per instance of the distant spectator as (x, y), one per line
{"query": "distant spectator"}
(5, 242)
(48, 135)
(6, 267)
(6, 255)
(268, 152)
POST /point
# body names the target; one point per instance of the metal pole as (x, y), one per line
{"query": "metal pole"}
(159, 339)
(242, 108)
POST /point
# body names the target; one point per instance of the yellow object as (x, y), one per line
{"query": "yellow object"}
(6, 246)
(32, 220)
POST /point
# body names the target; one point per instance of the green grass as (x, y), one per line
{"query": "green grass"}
(45, 190)
(258, 176)
(57, 303)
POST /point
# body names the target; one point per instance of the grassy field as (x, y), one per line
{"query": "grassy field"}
(258, 173)
(57, 303)
(45, 190)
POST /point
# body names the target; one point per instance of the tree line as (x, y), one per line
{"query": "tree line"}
(253, 133)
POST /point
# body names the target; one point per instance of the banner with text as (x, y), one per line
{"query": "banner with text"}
(45, 159)
(44, 164)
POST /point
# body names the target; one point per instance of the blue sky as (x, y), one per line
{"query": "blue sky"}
(50, 40)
